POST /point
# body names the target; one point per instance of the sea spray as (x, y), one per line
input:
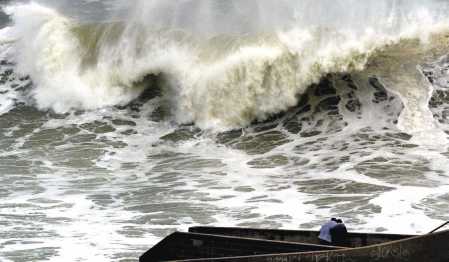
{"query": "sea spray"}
(224, 66)
(344, 87)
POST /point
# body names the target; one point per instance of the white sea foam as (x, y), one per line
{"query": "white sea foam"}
(10, 80)
(112, 190)
(218, 80)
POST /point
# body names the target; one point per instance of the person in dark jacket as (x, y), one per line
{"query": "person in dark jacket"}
(339, 234)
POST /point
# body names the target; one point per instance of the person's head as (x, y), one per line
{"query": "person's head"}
(334, 219)
(339, 221)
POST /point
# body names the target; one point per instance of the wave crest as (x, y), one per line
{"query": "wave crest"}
(220, 82)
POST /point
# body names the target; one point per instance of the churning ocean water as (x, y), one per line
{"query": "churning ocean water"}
(123, 121)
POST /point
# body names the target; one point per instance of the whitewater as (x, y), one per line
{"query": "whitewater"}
(123, 121)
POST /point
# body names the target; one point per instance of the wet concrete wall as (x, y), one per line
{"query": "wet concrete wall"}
(191, 245)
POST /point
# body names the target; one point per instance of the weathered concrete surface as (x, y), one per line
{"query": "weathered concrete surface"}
(427, 248)
(297, 236)
(180, 246)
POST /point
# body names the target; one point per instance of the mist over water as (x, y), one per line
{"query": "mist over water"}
(123, 121)
(208, 57)
(234, 17)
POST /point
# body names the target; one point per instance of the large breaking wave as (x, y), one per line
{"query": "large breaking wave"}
(221, 65)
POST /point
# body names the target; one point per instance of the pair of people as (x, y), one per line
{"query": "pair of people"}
(334, 233)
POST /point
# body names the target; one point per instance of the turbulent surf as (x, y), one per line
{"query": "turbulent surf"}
(157, 115)
(219, 77)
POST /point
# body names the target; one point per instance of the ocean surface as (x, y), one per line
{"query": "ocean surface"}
(123, 121)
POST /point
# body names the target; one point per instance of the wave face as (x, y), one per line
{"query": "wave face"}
(123, 121)
(220, 68)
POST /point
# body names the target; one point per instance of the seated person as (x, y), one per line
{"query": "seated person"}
(339, 234)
